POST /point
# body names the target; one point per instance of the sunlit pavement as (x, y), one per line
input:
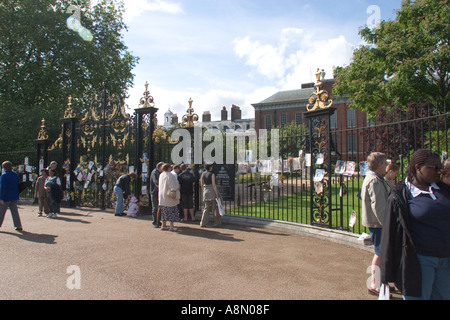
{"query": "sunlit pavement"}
(89, 254)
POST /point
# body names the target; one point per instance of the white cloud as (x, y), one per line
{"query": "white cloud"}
(296, 56)
(135, 8)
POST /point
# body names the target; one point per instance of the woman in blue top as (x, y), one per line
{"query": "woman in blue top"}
(9, 194)
(415, 243)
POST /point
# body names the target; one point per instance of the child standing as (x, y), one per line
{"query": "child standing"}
(41, 194)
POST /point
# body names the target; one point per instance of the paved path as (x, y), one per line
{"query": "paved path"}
(126, 258)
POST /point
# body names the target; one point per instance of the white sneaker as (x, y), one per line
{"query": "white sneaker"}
(50, 215)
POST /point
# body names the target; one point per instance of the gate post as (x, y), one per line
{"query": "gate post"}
(145, 127)
(188, 123)
(41, 148)
(68, 147)
(318, 117)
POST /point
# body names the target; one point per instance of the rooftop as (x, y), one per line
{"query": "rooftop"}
(288, 96)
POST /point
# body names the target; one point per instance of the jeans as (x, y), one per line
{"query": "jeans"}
(435, 278)
(12, 205)
(119, 195)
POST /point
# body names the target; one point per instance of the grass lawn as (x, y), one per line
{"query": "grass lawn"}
(295, 207)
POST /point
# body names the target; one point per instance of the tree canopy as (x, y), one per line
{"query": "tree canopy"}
(43, 61)
(405, 60)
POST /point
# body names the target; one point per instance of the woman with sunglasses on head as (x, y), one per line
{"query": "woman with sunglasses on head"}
(415, 243)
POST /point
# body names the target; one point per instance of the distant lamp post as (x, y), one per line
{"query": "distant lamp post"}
(320, 98)
(189, 118)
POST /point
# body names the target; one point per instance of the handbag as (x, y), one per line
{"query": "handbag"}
(174, 194)
(220, 207)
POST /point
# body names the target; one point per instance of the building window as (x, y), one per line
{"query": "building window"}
(268, 122)
(351, 118)
(351, 143)
(333, 120)
(283, 120)
(299, 118)
(334, 146)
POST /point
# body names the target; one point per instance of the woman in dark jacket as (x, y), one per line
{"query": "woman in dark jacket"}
(415, 244)
(54, 194)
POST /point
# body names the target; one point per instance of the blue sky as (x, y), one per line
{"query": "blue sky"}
(224, 52)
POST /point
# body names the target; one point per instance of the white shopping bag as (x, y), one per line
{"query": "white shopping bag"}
(385, 292)
(220, 207)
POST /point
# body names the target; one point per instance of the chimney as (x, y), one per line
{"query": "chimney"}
(236, 113)
(206, 116)
(224, 114)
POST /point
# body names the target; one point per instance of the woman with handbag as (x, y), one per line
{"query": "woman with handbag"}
(169, 197)
(210, 194)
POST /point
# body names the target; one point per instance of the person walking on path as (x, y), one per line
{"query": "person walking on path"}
(54, 193)
(122, 190)
(168, 202)
(40, 193)
(154, 188)
(9, 195)
(210, 194)
(374, 194)
(187, 182)
(415, 245)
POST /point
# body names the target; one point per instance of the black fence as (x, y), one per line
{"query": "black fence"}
(288, 192)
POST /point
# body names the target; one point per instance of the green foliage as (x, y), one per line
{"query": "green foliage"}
(292, 139)
(405, 60)
(43, 62)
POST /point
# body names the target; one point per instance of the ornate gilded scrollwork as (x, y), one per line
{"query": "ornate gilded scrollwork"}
(189, 118)
(320, 98)
(147, 100)
(69, 113)
(42, 135)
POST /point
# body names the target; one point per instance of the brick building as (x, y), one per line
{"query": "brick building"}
(286, 107)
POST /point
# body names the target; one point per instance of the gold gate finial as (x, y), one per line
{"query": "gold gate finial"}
(320, 98)
(69, 113)
(42, 135)
(189, 118)
(147, 100)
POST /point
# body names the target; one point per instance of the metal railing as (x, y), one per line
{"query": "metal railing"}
(397, 134)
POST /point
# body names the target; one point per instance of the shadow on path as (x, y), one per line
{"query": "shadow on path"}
(33, 237)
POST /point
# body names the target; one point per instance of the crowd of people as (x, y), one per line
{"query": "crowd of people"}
(409, 221)
(409, 224)
(48, 193)
(172, 195)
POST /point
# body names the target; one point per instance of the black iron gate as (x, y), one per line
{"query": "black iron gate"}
(107, 142)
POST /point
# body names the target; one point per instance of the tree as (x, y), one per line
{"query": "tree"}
(43, 62)
(405, 60)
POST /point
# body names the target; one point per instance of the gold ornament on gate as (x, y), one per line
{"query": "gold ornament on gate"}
(189, 119)
(320, 98)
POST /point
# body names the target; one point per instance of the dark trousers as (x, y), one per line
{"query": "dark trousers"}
(155, 203)
(12, 205)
